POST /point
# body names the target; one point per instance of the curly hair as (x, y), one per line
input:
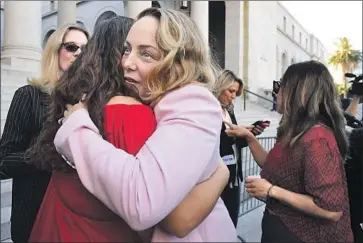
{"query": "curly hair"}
(225, 80)
(97, 72)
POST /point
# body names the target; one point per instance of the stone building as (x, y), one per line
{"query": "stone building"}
(256, 39)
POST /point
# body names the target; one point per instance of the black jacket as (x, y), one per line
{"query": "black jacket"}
(225, 148)
(23, 124)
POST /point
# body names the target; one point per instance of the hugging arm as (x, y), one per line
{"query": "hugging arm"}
(145, 188)
(197, 205)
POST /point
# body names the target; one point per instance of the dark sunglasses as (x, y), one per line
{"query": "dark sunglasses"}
(71, 47)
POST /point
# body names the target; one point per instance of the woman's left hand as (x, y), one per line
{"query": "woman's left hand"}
(72, 108)
(257, 187)
(238, 130)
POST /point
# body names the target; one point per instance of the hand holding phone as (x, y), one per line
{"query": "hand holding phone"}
(234, 130)
(261, 123)
(260, 126)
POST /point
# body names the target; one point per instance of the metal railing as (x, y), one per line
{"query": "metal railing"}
(257, 95)
(250, 167)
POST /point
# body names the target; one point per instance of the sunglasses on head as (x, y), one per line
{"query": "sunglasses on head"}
(71, 47)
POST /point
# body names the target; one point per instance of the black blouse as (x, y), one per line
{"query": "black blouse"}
(226, 148)
(23, 124)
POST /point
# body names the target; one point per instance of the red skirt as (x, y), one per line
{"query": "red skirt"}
(69, 213)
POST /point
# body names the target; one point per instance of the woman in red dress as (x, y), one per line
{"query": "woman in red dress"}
(303, 176)
(69, 213)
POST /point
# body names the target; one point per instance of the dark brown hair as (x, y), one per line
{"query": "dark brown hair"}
(309, 97)
(97, 72)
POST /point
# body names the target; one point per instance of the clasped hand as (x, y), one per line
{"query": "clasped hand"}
(72, 108)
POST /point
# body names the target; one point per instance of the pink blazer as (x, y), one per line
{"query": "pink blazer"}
(143, 189)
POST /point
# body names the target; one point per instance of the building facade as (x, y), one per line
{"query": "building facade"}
(257, 40)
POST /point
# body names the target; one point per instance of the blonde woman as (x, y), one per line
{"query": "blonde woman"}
(226, 89)
(167, 60)
(23, 124)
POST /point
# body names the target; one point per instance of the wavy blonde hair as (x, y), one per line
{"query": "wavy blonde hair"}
(186, 57)
(50, 72)
(225, 80)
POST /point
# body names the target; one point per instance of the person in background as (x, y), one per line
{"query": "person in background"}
(303, 177)
(167, 60)
(227, 87)
(355, 107)
(275, 90)
(24, 122)
(274, 97)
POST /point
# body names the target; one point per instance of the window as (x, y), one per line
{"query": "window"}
(184, 5)
(300, 38)
(284, 23)
(306, 43)
(52, 5)
(293, 32)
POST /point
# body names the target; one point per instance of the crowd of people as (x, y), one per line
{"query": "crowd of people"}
(130, 136)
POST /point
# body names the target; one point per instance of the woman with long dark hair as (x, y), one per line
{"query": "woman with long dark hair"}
(303, 176)
(70, 213)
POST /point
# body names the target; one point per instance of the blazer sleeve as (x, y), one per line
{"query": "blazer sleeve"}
(145, 188)
(15, 138)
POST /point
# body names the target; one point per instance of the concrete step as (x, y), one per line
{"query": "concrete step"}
(6, 188)
(5, 201)
(5, 232)
(6, 185)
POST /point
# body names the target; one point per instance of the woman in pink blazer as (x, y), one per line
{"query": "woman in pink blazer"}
(167, 60)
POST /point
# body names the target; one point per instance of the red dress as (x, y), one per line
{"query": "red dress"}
(69, 213)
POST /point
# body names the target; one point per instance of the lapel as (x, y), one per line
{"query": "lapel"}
(233, 117)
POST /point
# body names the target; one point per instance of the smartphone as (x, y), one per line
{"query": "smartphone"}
(261, 123)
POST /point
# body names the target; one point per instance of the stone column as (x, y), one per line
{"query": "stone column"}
(246, 45)
(22, 34)
(200, 15)
(66, 12)
(133, 8)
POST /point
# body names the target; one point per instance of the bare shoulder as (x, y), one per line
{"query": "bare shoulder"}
(126, 100)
